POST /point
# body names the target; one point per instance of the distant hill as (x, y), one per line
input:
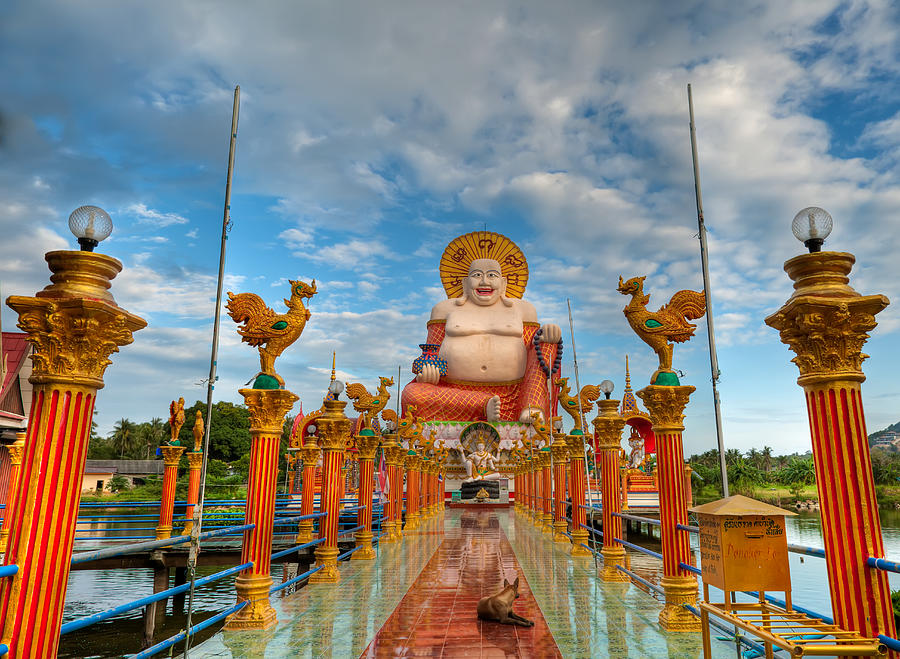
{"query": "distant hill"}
(891, 428)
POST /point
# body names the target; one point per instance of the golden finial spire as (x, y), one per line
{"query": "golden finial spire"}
(333, 363)
(627, 375)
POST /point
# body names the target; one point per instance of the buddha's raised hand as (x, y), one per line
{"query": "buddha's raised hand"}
(429, 375)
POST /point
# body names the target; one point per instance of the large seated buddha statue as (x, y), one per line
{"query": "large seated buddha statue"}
(486, 356)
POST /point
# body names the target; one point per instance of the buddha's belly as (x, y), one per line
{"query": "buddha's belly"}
(484, 357)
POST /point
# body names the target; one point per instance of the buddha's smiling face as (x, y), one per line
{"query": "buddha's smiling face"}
(485, 284)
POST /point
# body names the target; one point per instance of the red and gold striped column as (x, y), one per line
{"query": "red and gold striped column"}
(666, 407)
(366, 445)
(577, 486)
(74, 326)
(309, 453)
(171, 458)
(334, 435)
(16, 449)
(395, 457)
(546, 491)
(826, 323)
(560, 460)
(608, 426)
(267, 408)
(195, 462)
(412, 491)
(426, 485)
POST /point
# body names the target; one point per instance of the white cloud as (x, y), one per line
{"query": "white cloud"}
(155, 217)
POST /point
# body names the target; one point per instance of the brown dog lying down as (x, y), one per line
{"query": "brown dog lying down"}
(499, 607)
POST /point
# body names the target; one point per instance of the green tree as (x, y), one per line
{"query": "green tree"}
(799, 471)
(124, 438)
(118, 483)
(743, 477)
(229, 429)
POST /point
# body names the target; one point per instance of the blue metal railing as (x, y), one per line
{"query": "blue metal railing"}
(182, 635)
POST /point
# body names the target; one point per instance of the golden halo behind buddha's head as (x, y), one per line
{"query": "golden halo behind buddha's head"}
(483, 245)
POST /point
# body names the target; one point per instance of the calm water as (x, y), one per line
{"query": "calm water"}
(94, 591)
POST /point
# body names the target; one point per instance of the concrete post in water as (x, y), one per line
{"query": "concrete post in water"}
(560, 459)
(16, 449)
(334, 434)
(412, 490)
(826, 323)
(666, 407)
(608, 426)
(577, 486)
(366, 445)
(171, 458)
(74, 326)
(310, 456)
(267, 409)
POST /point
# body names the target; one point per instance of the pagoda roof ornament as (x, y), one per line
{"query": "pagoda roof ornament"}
(629, 408)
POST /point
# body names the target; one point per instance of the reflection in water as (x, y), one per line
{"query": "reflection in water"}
(614, 608)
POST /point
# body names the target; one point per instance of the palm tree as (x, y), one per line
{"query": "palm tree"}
(123, 436)
(153, 433)
(766, 459)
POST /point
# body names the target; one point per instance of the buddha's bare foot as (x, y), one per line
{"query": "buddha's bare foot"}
(531, 414)
(492, 409)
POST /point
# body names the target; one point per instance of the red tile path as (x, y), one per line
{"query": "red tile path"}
(437, 616)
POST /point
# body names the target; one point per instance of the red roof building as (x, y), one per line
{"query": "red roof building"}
(15, 395)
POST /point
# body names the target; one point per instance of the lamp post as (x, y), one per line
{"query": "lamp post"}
(826, 324)
(74, 326)
(608, 425)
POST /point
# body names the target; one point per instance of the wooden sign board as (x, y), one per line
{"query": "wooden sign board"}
(744, 552)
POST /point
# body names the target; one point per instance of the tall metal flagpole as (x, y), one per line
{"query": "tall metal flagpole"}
(704, 260)
(584, 430)
(213, 362)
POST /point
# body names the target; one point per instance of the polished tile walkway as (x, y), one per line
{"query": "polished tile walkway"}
(418, 598)
(437, 618)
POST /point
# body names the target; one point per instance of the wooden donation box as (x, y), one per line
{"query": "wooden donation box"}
(743, 547)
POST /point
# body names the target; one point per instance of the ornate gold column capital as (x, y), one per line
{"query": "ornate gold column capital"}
(267, 408)
(334, 426)
(666, 406)
(17, 449)
(394, 455)
(366, 445)
(411, 461)
(575, 444)
(195, 459)
(171, 455)
(608, 424)
(560, 449)
(309, 454)
(825, 322)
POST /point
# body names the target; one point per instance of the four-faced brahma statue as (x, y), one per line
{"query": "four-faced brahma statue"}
(486, 356)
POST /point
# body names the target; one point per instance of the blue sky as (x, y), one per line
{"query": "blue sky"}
(373, 133)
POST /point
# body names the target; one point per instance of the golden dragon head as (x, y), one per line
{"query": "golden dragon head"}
(299, 290)
(634, 286)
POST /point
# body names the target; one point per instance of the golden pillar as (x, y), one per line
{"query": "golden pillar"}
(412, 490)
(577, 486)
(366, 445)
(74, 326)
(666, 407)
(560, 452)
(195, 462)
(267, 408)
(334, 434)
(608, 426)
(394, 456)
(16, 449)
(826, 323)
(309, 453)
(171, 458)
(546, 490)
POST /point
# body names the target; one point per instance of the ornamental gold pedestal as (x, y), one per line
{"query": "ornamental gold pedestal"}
(267, 409)
(16, 449)
(334, 436)
(310, 456)
(826, 323)
(74, 326)
(366, 445)
(171, 458)
(608, 430)
(666, 407)
(560, 459)
(577, 486)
